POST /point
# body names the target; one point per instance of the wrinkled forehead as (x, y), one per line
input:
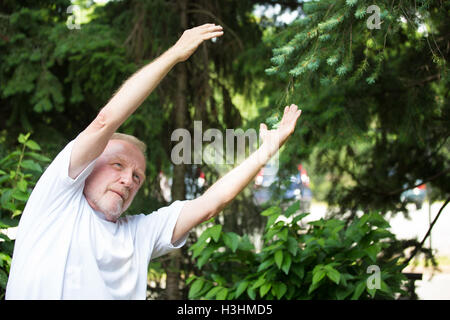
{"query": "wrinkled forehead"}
(125, 151)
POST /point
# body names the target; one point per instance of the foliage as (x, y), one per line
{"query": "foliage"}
(54, 79)
(19, 172)
(323, 259)
(375, 102)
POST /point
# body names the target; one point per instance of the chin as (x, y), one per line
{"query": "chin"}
(112, 210)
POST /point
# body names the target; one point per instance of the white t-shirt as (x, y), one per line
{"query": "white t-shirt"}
(66, 250)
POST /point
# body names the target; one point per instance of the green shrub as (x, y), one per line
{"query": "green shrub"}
(323, 259)
(19, 172)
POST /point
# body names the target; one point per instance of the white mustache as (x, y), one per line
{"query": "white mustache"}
(124, 194)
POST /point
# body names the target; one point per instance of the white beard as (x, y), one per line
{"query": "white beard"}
(111, 208)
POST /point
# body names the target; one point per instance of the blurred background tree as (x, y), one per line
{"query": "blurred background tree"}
(375, 101)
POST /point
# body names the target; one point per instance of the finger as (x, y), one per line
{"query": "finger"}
(298, 113)
(206, 25)
(213, 29)
(212, 35)
(286, 109)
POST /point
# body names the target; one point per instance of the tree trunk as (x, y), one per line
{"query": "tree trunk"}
(173, 290)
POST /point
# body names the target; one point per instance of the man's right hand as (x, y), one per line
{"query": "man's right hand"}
(192, 38)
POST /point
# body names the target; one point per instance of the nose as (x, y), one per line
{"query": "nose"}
(126, 178)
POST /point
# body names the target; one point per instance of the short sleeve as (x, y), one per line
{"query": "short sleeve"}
(55, 185)
(155, 230)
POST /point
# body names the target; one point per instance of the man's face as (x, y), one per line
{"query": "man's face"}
(116, 178)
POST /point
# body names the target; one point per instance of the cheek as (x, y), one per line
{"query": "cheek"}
(131, 198)
(98, 181)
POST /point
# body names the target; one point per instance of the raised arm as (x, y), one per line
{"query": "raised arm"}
(93, 140)
(230, 185)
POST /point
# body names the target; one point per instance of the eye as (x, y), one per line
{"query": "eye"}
(137, 178)
(117, 165)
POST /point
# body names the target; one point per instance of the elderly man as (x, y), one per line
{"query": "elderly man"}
(72, 242)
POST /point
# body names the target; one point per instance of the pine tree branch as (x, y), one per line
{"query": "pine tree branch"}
(418, 247)
(422, 182)
(423, 81)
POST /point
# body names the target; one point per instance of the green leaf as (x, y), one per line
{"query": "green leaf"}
(299, 271)
(313, 287)
(318, 274)
(271, 211)
(222, 294)
(272, 220)
(377, 220)
(292, 209)
(241, 288)
(251, 293)
(259, 282)
(245, 244)
(5, 257)
(333, 274)
(205, 256)
(372, 252)
(215, 231)
(299, 217)
(264, 289)
(30, 164)
(231, 240)
(3, 279)
(37, 156)
(342, 293)
(279, 258)
(359, 289)
(16, 213)
(266, 264)
(292, 246)
(371, 291)
(283, 235)
(218, 278)
(190, 279)
(345, 277)
(23, 138)
(280, 289)
(384, 287)
(317, 223)
(211, 293)
(22, 185)
(321, 242)
(195, 288)
(32, 145)
(198, 248)
(286, 263)
(19, 195)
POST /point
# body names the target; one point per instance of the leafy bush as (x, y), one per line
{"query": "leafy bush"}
(19, 172)
(323, 259)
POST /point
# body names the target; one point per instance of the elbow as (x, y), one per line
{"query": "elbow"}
(214, 208)
(104, 122)
(104, 119)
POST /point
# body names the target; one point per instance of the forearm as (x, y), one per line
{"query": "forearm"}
(230, 185)
(136, 89)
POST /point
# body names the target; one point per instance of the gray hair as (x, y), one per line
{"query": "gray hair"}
(131, 139)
